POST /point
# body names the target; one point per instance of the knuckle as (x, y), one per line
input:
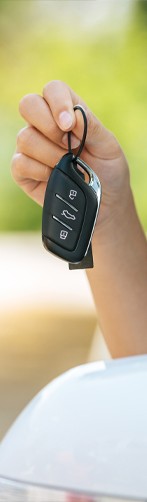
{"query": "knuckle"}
(24, 102)
(24, 136)
(21, 137)
(53, 83)
(46, 88)
(16, 164)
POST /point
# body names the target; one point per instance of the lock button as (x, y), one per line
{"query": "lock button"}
(65, 188)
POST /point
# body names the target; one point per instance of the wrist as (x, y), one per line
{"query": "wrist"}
(120, 229)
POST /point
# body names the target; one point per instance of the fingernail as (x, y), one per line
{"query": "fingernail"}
(65, 120)
(75, 142)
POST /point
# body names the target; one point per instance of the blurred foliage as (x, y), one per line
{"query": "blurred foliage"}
(108, 71)
(142, 12)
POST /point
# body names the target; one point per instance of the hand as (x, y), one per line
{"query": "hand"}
(44, 141)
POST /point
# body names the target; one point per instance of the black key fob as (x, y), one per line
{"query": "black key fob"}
(70, 209)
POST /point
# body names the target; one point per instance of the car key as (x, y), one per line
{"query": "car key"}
(71, 208)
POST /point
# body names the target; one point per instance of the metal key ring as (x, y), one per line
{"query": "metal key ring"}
(78, 107)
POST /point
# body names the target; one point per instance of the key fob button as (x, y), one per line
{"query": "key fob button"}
(61, 235)
(71, 192)
(71, 217)
(68, 190)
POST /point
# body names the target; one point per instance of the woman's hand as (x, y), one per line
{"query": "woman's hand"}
(44, 141)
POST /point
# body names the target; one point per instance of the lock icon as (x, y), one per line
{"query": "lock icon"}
(72, 194)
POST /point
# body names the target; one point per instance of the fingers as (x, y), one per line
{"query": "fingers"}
(33, 144)
(49, 114)
(100, 141)
(53, 115)
(31, 176)
(24, 167)
(35, 110)
(45, 141)
(61, 100)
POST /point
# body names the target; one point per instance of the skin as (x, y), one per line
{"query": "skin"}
(119, 278)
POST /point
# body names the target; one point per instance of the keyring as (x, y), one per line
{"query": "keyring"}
(78, 107)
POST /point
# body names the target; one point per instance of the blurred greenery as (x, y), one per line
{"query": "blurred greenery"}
(108, 70)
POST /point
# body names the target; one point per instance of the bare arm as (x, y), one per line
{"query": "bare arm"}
(119, 285)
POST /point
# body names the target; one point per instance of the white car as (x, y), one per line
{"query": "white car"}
(83, 438)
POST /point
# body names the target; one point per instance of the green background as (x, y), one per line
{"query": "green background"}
(108, 69)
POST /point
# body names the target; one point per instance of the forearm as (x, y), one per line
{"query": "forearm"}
(119, 285)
